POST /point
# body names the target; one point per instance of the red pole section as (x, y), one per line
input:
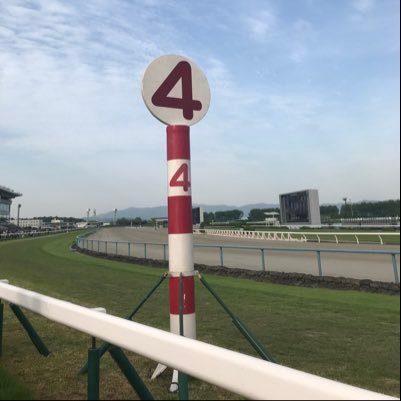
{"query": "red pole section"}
(180, 237)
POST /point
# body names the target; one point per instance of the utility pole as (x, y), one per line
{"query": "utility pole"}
(18, 214)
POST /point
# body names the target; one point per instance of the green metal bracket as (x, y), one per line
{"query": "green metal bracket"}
(182, 377)
(93, 372)
(130, 373)
(257, 346)
(1, 327)
(105, 347)
(33, 335)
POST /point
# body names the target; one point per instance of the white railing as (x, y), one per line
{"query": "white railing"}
(299, 236)
(241, 374)
(30, 234)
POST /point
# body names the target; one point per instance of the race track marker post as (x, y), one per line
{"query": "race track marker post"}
(177, 93)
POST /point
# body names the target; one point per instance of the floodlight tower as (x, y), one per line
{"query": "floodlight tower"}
(94, 214)
(87, 215)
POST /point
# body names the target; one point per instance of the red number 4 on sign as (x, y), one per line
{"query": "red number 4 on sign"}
(181, 178)
(187, 104)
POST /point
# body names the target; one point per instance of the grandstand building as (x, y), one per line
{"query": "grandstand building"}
(6, 197)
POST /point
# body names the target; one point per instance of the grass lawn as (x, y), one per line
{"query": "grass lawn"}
(347, 336)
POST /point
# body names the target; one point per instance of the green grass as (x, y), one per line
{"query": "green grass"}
(10, 389)
(347, 336)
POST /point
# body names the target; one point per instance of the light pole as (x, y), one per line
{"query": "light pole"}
(115, 216)
(87, 215)
(18, 214)
(345, 205)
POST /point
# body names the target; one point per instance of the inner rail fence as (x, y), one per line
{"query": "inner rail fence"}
(241, 374)
(32, 234)
(307, 236)
(142, 250)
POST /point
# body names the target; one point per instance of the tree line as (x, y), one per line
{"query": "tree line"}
(390, 208)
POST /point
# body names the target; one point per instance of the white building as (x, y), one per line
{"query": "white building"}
(29, 223)
(272, 218)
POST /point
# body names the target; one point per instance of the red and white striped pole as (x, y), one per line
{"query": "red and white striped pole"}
(180, 236)
(177, 93)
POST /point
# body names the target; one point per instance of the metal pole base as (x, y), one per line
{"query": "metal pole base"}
(174, 382)
(158, 371)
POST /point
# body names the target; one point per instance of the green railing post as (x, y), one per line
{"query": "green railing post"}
(395, 269)
(129, 248)
(130, 373)
(116, 248)
(1, 326)
(93, 371)
(263, 259)
(164, 252)
(105, 347)
(319, 263)
(145, 250)
(33, 335)
(105, 247)
(182, 377)
(221, 256)
(257, 346)
(98, 246)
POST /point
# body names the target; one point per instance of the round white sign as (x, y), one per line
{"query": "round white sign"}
(175, 90)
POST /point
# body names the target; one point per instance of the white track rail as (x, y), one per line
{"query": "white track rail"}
(297, 236)
(241, 374)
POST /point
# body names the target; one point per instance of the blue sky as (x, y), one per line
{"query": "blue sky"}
(305, 94)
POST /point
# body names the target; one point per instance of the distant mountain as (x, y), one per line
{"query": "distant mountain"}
(147, 213)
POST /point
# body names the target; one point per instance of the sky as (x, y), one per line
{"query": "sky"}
(304, 94)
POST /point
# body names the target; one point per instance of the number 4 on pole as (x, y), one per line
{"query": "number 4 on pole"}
(187, 104)
(175, 90)
(183, 173)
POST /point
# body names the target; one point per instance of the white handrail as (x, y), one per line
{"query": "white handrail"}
(294, 236)
(241, 374)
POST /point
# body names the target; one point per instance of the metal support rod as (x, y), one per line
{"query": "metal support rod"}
(221, 257)
(130, 373)
(145, 251)
(106, 247)
(395, 269)
(105, 347)
(116, 248)
(129, 248)
(33, 335)
(93, 371)
(1, 326)
(264, 354)
(319, 263)
(164, 252)
(263, 259)
(182, 377)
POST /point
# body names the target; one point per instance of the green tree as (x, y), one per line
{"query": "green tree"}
(259, 214)
(330, 212)
(228, 215)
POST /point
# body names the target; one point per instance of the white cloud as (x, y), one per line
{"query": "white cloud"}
(262, 26)
(363, 6)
